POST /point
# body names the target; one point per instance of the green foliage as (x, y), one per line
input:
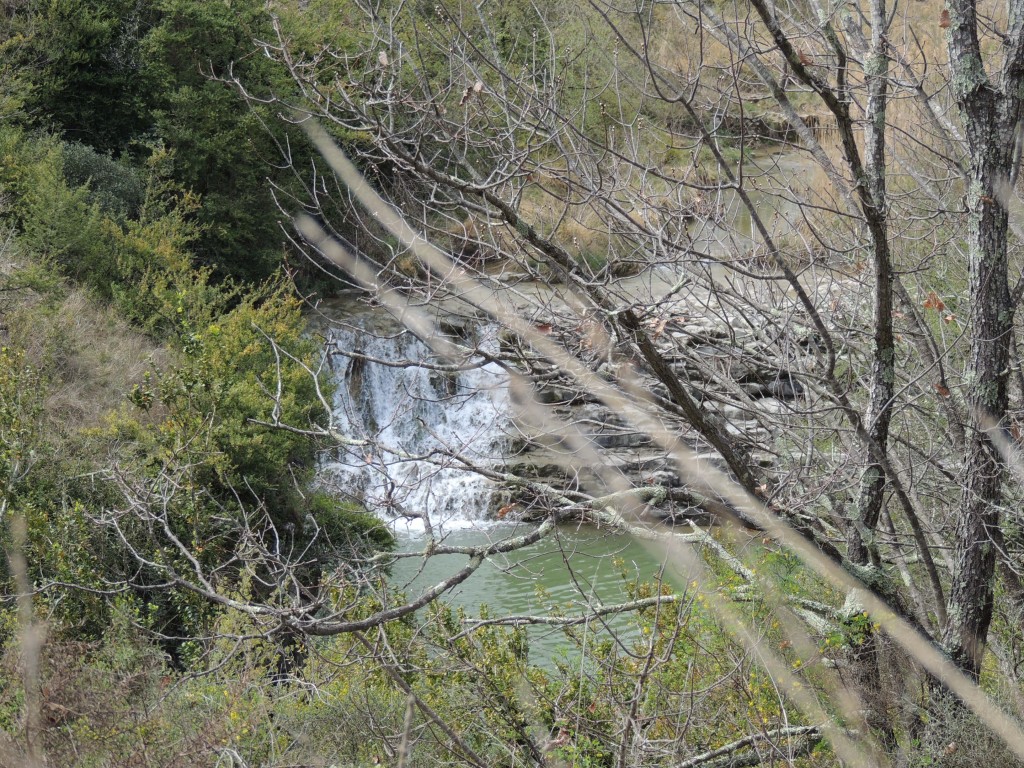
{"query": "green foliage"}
(854, 630)
(20, 404)
(235, 362)
(15, 80)
(87, 82)
(118, 188)
(119, 78)
(85, 230)
(585, 752)
(27, 166)
(213, 444)
(65, 228)
(224, 148)
(113, 703)
(689, 664)
(224, 158)
(342, 530)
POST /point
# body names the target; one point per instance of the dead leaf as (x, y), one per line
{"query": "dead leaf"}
(934, 302)
(944, 19)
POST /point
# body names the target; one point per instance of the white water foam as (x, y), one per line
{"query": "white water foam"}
(406, 411)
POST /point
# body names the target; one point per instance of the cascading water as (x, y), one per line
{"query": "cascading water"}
(405, 410)
(415, 419)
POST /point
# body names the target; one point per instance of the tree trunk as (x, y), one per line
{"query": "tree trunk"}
(991, 116)
(860, 539)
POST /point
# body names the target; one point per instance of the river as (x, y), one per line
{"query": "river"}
(416, 411)
(576, 567)
(422, 416)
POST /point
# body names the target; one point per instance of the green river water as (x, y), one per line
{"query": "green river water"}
(574, 568)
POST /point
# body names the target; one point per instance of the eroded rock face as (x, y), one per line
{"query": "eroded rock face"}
(751, 382)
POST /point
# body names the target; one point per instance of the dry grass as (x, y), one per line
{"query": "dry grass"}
(92, 357)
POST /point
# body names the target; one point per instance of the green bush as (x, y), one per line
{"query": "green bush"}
(118, 188)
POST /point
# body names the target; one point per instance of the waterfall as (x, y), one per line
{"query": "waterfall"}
(408, 410)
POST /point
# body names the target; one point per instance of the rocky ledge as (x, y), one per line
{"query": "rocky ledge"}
(749, 380)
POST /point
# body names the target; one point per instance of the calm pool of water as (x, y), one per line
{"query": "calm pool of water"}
(569, 570)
